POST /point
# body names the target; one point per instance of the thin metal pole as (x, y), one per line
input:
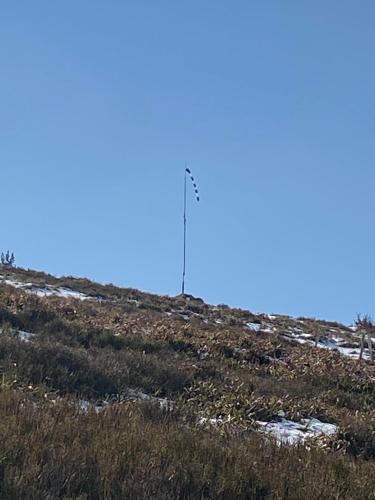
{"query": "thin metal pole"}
(184, 270)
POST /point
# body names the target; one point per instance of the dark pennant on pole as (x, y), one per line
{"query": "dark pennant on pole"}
(187, 173)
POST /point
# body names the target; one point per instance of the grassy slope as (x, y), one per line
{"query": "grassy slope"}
(202, 359)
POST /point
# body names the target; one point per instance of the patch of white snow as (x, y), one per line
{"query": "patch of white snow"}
(255, 327)
(47, 290)
(25, 336)
(288, 432)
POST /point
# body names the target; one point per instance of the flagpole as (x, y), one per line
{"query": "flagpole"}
(184, 268)
(187, 172)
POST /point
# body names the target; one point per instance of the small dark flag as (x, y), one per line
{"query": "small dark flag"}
(194, 184)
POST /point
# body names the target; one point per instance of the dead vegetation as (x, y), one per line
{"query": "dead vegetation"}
(230, 366)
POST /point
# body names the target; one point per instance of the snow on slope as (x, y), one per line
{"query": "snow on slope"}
(334, 339)
(288, 432)
(285, 431)
(333, 342)
(25, 336)
(46, 291)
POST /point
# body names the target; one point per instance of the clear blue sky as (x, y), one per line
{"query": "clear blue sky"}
(272, 105)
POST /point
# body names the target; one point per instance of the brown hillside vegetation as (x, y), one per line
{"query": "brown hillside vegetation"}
(113, 393)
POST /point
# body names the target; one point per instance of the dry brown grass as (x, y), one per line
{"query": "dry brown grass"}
(137, 451)
(99, 350)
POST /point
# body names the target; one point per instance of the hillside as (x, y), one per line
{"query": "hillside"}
(114, 393)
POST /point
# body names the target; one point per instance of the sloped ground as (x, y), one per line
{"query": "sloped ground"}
(113, 393)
